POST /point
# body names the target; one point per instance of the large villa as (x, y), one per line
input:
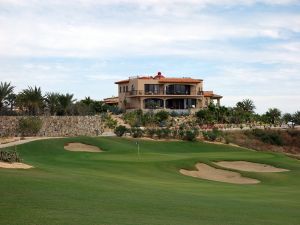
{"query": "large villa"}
(160, 92)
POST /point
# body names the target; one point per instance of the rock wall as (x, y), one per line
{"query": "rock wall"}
(54, 126)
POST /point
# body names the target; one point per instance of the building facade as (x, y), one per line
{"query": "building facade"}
(160, 92)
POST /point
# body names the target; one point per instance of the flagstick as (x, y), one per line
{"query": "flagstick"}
(138, 148)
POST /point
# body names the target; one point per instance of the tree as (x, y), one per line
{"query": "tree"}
(87, 101)
(5, 90)
(273, 115)
(246, 105)
(51, 100)
(64, 103)
(204, 116)
(11, 100)
(287, 117)
(223, 113)
(296, 117)
(31, 99)
(244, 110)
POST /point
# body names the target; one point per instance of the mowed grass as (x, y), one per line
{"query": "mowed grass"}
(119, 187)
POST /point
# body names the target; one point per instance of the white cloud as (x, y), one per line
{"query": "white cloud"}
(98, 30)
(286, 103)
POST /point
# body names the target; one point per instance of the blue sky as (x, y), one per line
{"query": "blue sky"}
(242, 49)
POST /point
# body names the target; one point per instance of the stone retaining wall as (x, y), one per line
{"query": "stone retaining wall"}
(54, 126)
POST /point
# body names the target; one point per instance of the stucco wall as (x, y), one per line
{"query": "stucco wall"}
(56, 126)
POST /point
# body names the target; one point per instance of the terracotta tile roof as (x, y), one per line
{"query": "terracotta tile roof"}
(122, 81)
(162, 79)
(211, 94)
(179, 80)
(208, 93)
(217, 96)
(111, 100)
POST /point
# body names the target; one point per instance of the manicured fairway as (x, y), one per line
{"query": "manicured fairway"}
(117, 186)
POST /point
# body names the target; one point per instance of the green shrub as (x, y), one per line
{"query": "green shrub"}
(161, 116)
(270, 137)
(29, 126)
(163, 133)
(10, 157)
(120, 130)
(136, 132)
(212, 135)
(190, 135)
(151, 132)
(174, 114)
(134, 118)
(109, 121)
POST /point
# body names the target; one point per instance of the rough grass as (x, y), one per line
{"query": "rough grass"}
(119, 187)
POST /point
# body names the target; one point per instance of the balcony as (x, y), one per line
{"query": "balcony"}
(162, 93)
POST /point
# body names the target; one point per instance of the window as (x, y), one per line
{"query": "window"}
(152, 88)
(178, 89)
(120, 89)
(126, 88)
(123, 88)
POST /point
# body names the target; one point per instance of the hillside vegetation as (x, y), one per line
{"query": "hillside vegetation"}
(267, 140)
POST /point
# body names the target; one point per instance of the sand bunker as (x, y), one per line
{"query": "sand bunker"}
(249, 166)
(79, 147)
(210, 173)
(14, 165)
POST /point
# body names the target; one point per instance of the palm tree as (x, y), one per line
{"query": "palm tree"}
(31, 99)
(5, 90)
(273, 115)
(87, 101)
(64, 102)
(52, 102)
(11, 100)
(246, 105)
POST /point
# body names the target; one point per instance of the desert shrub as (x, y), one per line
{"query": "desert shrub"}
(151, 132)
(161, 116)
(10, 157)
(163, 133)
(109, 121)
(174, 114)
(29, 126)
(115, 110)
(209, 135)
(120, 130)
(148, 119)
(212, 135)
(190, 135)
(175, 133)
(136, 132)
(134, 118)
(270, 137)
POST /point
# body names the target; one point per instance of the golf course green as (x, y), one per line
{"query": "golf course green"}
(118, 186)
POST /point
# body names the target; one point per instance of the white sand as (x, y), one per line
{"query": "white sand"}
(14, 165)
(80, 147)
(249, 166)
(210, 173)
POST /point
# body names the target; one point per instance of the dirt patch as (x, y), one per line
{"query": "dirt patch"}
(156, 139)
(14, 165)
(80, 147)
(250, 166)
(210, 173)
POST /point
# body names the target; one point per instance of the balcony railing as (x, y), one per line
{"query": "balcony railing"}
(160, 92)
